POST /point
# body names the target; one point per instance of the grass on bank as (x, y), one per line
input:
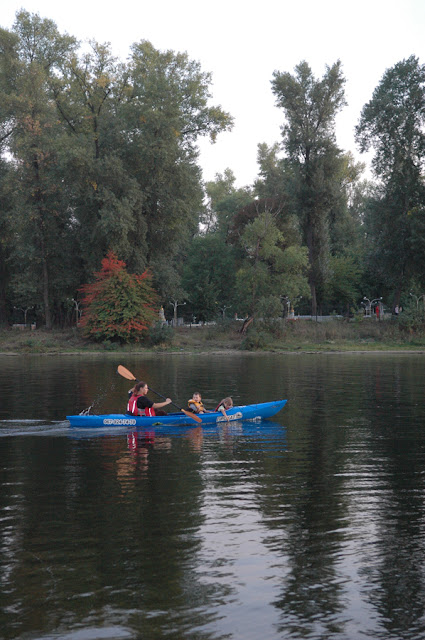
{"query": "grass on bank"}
(284, 336)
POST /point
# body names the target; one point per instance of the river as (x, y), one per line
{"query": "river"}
(311, 525)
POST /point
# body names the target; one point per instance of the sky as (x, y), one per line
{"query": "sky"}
(242, 43)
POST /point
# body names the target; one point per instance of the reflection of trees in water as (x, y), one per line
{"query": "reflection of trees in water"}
(307, 521)
(393, 564)
(91, 546)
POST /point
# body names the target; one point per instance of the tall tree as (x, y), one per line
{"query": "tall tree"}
(107, 200)
(103, 156)
(167, 112)
(392, 123)
(30, 55)
(6, 239)
(310, 106)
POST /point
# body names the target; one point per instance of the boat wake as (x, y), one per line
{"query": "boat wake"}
(33, 428)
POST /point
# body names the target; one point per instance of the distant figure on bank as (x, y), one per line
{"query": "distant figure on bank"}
(223, 405)
(140, 405)
(195, 404)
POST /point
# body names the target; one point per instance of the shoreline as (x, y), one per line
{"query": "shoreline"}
(219, 352)
(302, 337)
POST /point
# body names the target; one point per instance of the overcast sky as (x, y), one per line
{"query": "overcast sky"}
(242, 43)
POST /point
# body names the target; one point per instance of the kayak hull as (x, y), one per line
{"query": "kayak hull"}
(255, 412)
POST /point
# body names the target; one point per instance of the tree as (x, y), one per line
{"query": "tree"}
(6, 240)
(392, 123)
(269, 268)
(209, 275)
(107, 200)
(225, 200)
(310, 107)
(166, 113)
(33, 137)
(118, 306)
(342, 289)
(101, 155)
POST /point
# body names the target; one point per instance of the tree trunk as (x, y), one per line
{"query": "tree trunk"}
(313, 299)
(47, 314)
(39, 200)
(3, 305)
(311, 278)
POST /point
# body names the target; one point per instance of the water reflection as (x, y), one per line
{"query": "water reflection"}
(310, 526)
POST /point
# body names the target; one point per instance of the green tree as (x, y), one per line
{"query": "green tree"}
(209, 276)
(102, 155)
(224, 201)
(166, 113)
(269, 267)
(118, 306)
(32, 135)
(310, 106)
(6, 241)
(342, 290)
(392, 124)
(107, 200)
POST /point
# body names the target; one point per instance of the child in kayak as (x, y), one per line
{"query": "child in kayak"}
(195, 404)
(226, 403)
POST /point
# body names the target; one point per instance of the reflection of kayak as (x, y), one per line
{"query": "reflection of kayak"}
(246, 412)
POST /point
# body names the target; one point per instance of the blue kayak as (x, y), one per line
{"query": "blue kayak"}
(255, 412)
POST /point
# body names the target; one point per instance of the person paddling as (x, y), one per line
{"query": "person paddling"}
(140, 405)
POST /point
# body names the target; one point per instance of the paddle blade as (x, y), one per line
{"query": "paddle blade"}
(192, 415)
(125, 373)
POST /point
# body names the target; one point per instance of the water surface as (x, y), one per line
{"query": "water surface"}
(307, 526)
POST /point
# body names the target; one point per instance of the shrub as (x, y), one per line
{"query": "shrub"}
(254, 340)
(160, 334)
(118, 306)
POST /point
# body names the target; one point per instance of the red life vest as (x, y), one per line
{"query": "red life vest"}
(134, 409)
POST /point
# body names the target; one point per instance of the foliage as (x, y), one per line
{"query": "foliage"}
(160, 335)
(209, 276)
(254, 340)
(412, 319)
(225, 200)
(118, 306)
(310, 106)
(392, 123)
(268, 267)
(342, 288)
(33, 136)
(270, 312)
(100, 155)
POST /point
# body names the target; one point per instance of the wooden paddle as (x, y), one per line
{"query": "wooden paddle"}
(125, 373)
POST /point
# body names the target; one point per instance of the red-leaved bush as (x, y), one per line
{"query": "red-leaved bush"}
(118, 306)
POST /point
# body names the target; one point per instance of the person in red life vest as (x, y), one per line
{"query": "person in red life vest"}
(226, 403)
(196, 405)
(140, 405)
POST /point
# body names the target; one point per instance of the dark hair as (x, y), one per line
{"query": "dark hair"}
(138, 386)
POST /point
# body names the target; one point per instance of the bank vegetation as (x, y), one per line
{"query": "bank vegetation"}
(99, 162)
(226, 337)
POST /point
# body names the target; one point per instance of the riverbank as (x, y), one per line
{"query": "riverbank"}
(298, 336)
